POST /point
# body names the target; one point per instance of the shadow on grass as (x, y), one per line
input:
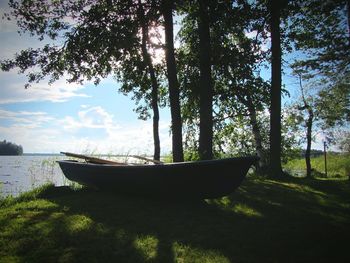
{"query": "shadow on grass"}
(265, 220)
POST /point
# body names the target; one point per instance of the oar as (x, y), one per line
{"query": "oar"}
(147, 159)
(92, 159)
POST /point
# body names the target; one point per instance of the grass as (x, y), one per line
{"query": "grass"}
(291, 220)
(338, 166)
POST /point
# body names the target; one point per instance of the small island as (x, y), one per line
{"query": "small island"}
(9, 148)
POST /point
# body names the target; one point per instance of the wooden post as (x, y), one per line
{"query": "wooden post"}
(325, 157)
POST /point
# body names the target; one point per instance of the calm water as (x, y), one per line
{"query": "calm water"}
(22, 173)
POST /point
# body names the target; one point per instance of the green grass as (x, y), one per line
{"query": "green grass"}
(291, 220)
(338, 166)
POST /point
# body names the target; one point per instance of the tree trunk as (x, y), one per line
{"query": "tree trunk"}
(174, 92)
(156, 155)
(309, 140)
(275, 110)
(206, 89)
(348, 9)
(155, 87)
(308, 128)
(257, 138)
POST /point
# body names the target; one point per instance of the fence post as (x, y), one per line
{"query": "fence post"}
(325, 157)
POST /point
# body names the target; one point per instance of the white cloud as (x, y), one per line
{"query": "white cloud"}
(12, 84)
(120, 138)
(96, 117)
(12, 90)
(14, 114)
(39, 132)
(123, 138)
(35, 139)
(5, 24)
(91, 117)
(25, 118)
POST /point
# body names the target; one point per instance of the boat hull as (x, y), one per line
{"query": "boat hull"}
(202, 179)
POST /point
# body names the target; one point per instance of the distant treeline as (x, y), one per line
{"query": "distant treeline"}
(9, 148)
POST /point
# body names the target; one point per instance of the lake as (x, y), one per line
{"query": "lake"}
(22, 173)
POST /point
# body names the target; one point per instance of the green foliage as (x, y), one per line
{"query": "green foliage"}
(9, 148)
(238, 88)
(335, 114)
(65, 225)
(236, 138)
(90, 40)
(191, 155)
(320, 30)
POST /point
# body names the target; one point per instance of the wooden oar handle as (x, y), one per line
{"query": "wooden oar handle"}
(92, 159)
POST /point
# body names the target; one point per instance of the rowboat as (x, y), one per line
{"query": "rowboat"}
(200, 179)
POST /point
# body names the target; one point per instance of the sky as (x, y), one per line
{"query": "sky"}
(70, 117)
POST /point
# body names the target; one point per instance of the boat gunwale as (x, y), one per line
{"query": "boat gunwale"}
(187, 163)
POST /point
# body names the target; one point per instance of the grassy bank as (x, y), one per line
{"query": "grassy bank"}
(337, 166)
(264, 221)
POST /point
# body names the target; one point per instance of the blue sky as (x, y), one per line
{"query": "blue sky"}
(72, 117)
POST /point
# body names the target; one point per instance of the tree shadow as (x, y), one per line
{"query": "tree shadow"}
(263, 220)
(181, 228)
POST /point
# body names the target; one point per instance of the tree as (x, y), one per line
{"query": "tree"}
(308, 106)
(137, 73)
(99, 38)
(206, 89)
(319, 112)
(174, 91)
(319, 32)
(155, 87)
(334, 114)
(238, 90)
(9, 148)
(276, 79)
(92, 42)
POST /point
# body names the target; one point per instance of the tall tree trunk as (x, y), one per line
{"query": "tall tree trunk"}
(348, 9)
(174, 92)
(308, 123)
(155, 87)
(156, 155)
(276, 79)
(308, 140)
(206, 89)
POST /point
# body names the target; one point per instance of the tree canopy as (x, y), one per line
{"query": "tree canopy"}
(9, 148)
(212, 81)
